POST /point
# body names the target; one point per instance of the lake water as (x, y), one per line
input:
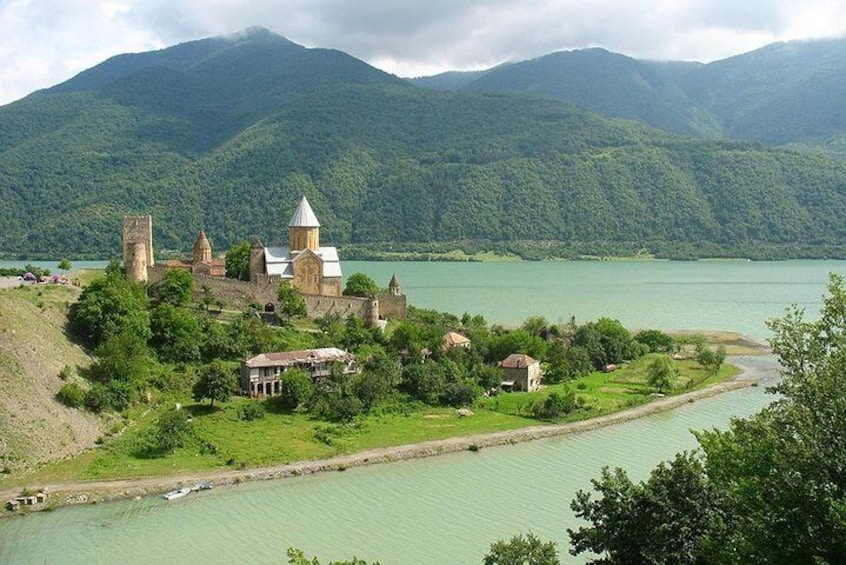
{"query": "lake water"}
(448, 509)
(693, 295)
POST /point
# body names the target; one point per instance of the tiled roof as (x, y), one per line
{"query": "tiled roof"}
(285, 358)
(517, 361)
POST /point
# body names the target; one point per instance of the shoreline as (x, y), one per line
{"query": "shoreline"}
(93, 492)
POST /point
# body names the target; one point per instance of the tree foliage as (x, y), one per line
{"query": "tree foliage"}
(238, 261)
(401, 164)
(109, 306)
(660, 373)
(176, 287)
(216, 381)
(171, 431)
(293, 303)
(360, 284)
(520, 550)
(770, 489)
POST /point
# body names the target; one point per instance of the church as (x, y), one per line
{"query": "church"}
(313, 269)
(304, 263)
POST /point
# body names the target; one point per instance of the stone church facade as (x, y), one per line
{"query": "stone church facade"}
(313, 269)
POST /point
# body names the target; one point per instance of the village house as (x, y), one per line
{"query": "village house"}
(454, 339)
(520, 373)
(260, 375)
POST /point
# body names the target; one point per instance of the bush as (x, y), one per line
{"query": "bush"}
(67, 372)
(95, 399)
(71, 395)
(556, 405)
(251, 411)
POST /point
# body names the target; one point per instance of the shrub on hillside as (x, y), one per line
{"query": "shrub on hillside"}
(71, 395)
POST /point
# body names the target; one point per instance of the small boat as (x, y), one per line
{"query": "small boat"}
(177, 493)
(202, 486)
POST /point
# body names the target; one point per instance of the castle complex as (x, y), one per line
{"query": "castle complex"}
(312, 269)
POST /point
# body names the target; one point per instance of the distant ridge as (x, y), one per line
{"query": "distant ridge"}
(226, 134)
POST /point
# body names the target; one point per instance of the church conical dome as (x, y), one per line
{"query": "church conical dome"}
(304, 216)
(202, 249)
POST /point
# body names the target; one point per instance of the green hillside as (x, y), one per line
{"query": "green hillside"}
(224, 134)
(780, 94)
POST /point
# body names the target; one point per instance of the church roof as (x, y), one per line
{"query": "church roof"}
(278, 261)
(394, 282)
(304, 216)
(202, 241)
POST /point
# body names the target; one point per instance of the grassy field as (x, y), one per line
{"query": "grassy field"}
(603, 393)
(224, 441)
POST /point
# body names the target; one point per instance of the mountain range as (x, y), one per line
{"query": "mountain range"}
(584, 148)
(779, 94)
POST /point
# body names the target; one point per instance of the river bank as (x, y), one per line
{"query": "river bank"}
(90, 492)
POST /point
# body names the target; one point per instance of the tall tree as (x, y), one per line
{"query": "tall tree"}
(238, 261)
(293, 304)
(216, 381)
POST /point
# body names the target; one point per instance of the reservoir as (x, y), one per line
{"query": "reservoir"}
(448, 509)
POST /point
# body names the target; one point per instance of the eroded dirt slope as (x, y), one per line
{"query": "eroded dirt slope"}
(34, 427)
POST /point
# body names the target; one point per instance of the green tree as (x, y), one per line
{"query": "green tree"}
(667, 519)
(177, 334)
(216, 382)
(297, 557)
(295, 389)
(64, 265)
(770, 489)
(123, 366)
(238, 261)
(359, 284)
(171, 431)
(293, 303)
(176, 287)
(535, 325)
(656, 340)
(529, 550)
(109, 306)
(711, 359)
(660, 373)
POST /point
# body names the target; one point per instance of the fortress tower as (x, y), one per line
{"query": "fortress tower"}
(137, 238)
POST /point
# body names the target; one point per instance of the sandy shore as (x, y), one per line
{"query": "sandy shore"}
(87, 492)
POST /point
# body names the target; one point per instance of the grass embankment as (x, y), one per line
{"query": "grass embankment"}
(283, 437)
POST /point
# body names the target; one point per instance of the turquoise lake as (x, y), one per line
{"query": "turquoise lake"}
(448, 509)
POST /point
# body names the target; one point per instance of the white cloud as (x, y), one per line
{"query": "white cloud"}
(48, 41)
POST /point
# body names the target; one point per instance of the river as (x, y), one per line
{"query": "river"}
(448, 509)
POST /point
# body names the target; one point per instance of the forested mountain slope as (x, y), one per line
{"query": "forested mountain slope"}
(225, 134)
(783, 93)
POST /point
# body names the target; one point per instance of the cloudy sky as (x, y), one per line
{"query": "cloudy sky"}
(44, 42)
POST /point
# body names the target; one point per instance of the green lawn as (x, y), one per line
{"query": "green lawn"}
(287, 437)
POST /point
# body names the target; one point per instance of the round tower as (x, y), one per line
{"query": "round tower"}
(202, 249)
(304, 229)
(135, 262)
